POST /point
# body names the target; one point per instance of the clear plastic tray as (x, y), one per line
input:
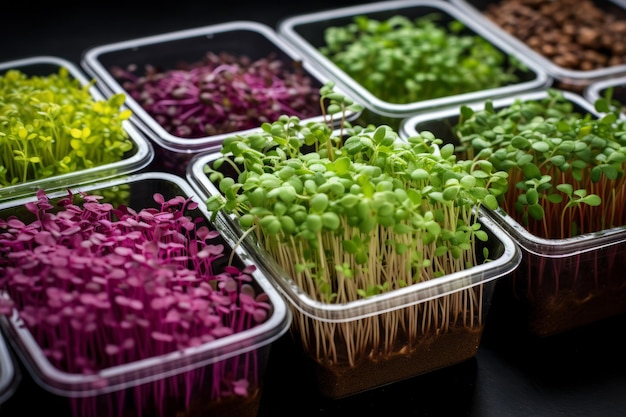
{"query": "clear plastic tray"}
(312, 314)
(305, 32)
(100, 393)
(598, 89)
(167, 50)
(550, 268)
(139, 157)
(9, 373)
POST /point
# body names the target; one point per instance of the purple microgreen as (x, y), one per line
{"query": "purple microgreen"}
(99, 286)
(222, 93)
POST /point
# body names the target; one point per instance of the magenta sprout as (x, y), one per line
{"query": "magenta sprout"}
(224, 93)
(100, 286)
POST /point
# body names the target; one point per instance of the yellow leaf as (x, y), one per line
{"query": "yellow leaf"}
(76, 134)
(75, 144)
(124, 115)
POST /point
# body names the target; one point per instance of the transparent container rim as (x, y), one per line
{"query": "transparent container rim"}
(594, 90)
(9, 375)
(287, 29)
(355, 310)
(139, 159)
(157, 367)
(576, 77)
(109, 85)
(543, 247)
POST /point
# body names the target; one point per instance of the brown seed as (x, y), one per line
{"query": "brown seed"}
(564, 29)
(619, 48)
(616, 27)
(534, 41)
(587, 36)
(587, 66)
(548, 49)
(569, 29)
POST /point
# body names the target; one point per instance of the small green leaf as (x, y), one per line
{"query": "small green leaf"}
(536, 211)
(532, 196)
(567, 189)
(531, 171)
(541, 146)
(592, 200)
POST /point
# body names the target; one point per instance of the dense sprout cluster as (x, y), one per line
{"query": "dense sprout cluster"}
(400, 60)
(99, 286)
(358, 202)
(354, 213)
(566, 167)
(52, 125)
(223, 93)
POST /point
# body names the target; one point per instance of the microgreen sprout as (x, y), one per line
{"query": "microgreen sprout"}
(99, 286)
(356, 212)
(566, 168)
(400, 60)
(52, 125)
(223, 93)
(566, 176)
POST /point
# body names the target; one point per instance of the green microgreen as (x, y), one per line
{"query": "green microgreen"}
(353, 212)
(52, 125)
(403, 60)
(566, 167)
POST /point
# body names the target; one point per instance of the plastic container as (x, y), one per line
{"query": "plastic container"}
(9, 374)
(167, 51)
(561, 284)
(598, 89)
(565, 78)
(182, 382)
(137, 158)
(326, 333)
(306, 32)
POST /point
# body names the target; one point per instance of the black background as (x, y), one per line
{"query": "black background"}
(580, 373)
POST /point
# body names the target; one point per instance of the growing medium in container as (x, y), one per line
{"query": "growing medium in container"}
(587, 37)
(566, 182)
(352, 214)
(51, 125)
(100, 287)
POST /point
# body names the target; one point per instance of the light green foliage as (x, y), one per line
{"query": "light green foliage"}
(355, 211)
(400, 60)
(561, 163)
(51, 125)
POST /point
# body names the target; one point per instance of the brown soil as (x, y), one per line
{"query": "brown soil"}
(233, 406)
(566, 311)
(573, 34)
(543, 310)
(553, 295)
(434, 352)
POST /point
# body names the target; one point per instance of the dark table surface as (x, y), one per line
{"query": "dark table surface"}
(580, 373)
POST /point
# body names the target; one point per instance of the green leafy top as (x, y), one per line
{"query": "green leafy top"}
(352, 200)
(561, 162)
(400, 60)
(51, 125)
